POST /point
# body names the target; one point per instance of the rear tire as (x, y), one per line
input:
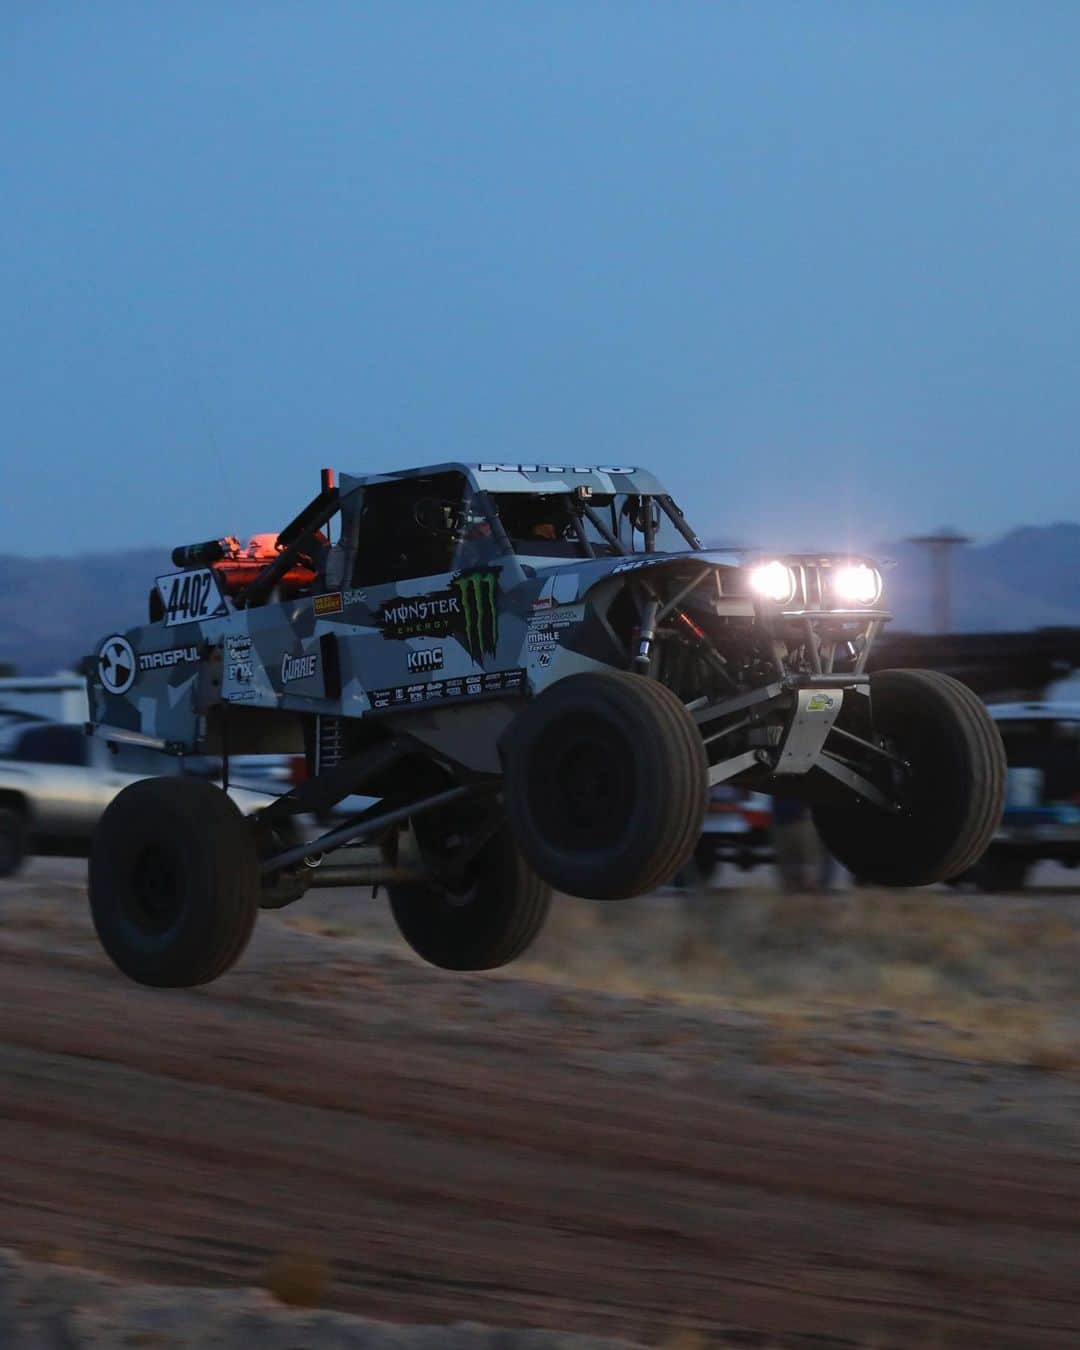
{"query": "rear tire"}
(13, 841)
(955, 792)
(493, 915)
(606, 782)
(174, 882)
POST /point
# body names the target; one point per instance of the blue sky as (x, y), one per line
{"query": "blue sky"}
(816, 264)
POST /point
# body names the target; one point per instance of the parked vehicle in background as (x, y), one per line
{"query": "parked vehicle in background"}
(55, 782)
(737, 830)
(1042, 794)
(50, 698)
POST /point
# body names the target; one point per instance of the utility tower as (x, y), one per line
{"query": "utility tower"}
(940, 548)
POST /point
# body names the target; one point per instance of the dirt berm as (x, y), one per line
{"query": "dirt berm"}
(49, 1307)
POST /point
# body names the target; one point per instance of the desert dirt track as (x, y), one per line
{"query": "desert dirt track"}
(501, 1150)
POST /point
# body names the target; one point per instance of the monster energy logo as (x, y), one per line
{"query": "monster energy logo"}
(477, 591)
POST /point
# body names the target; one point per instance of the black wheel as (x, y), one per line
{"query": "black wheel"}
(174, 881)
(1000, 872)
(485, 918)
(953, 791)
(606, 782)
(13, 841)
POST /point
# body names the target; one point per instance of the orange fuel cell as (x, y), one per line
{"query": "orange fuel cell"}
(243, 563)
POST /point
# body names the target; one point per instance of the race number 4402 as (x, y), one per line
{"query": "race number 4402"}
(190, 596)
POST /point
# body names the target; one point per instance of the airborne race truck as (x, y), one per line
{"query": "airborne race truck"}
(537, 673)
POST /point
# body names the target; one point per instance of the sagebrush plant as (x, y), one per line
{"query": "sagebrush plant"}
(298, 1278)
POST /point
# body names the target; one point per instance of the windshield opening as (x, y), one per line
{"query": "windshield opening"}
(603, 525)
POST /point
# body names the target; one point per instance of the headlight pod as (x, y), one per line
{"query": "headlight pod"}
(773, 581)
(855, 584)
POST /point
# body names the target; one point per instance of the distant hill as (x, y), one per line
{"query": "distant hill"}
(54, 610)
(1030, 578)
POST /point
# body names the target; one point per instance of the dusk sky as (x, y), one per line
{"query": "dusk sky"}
(816, 264)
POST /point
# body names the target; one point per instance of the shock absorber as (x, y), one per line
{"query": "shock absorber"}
(647, 636)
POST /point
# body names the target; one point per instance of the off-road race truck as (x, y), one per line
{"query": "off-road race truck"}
(536, 672)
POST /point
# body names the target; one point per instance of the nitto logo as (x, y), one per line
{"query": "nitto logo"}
(297, 668)
(421, 662)
(477, 591)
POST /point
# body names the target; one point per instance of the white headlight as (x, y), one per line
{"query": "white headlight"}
(773, 581)
(856, 584)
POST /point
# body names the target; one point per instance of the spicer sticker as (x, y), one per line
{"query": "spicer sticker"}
(298, 667)
(461, 686)
(189, 597)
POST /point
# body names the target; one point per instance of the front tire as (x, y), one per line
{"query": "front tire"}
(606, 782)
(174, 882)
(486, 919)
(954, 791)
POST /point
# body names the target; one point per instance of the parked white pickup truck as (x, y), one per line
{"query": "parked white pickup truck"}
(55, 781)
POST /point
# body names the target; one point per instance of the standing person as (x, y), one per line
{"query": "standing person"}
(797, 846)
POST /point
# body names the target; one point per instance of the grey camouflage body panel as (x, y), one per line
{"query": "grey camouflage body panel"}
(491, 631)
(412, 643)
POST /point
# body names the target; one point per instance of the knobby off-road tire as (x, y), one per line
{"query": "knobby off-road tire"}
(14, 840)
(488, 920)
(174, 881)
(606, 782)
(955, 792)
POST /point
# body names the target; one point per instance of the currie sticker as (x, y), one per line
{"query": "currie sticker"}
(190, 596)
(424, 659)
(468, 611)
(297, 667)
(461, 686)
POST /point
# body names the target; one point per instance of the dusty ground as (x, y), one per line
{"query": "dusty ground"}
(735, 1119)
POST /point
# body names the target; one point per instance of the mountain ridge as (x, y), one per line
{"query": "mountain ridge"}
(54, 609)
